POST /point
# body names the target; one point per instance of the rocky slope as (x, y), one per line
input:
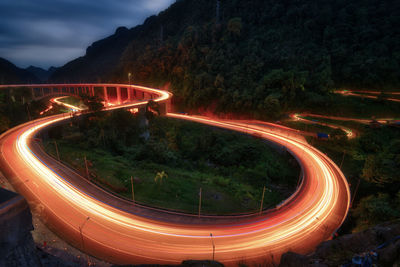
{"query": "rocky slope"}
(383, 239)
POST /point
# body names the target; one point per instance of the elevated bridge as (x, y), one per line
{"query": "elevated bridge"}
(115, 94)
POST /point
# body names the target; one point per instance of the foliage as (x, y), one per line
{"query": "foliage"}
(375, 209)
(16, 108)
(371, 164)
(383, 167)
(93, 103)
(258, 57)
(160, 177)
(265, 63)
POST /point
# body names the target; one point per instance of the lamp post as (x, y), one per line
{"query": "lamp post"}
(129, 77)
(212, 240)
(262, 200)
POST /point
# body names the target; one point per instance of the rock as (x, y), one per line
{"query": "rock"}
(188, 263)
(193, 263)
(16, 243)
(390, 254)
(291, 259)
(341, 250)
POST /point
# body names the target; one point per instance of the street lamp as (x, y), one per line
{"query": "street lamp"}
(129, 77)
(212, 240)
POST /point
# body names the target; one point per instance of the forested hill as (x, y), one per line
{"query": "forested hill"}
(11, 74)
(260, 54)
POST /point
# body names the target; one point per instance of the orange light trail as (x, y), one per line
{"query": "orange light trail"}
(300, 117)
(368, 94)
(317, 208)
(58, 102)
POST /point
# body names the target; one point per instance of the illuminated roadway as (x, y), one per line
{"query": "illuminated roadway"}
(391, 96)
(350, 133)
(117, 231)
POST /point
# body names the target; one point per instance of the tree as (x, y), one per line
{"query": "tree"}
(160, 176)
(94, 103)
(383, 168)
(338, 134)
(235, 26)
(375, 209)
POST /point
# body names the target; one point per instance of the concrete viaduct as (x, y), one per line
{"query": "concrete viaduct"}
(115, 94)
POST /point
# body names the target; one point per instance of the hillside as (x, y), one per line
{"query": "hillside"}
(100, 60)
(11, 74)
(41, 74)
(259, 55)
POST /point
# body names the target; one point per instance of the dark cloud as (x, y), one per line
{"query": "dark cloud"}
(51, 32)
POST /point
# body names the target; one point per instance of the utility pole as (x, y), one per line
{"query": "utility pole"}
(29, 112)
(87, 169)
(355, 192)
(199, 202)
(133, 192)
(262, 200)
(341, 163)
(58, 154)
(213, 245)
(80, 231)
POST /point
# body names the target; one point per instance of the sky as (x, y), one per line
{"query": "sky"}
(46, 33)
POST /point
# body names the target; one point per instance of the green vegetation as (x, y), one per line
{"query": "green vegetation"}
(347, 124)
(17, 107)
(259, 58)
(73, 101)
(308, 127)
(372, 161)
(171, 160)
(355, 107)
(267, 57)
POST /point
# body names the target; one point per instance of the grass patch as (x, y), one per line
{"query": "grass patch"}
(231, 168)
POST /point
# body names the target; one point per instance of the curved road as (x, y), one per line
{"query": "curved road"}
(119, 232)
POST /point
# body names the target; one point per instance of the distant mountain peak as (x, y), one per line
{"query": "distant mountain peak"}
(41, 74)
(9, 74)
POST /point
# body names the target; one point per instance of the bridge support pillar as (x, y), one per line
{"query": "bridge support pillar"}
(91, 91)
(119, 95)
(128, 91)
(105, 94)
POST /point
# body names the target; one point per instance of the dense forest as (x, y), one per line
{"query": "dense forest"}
(264, 56)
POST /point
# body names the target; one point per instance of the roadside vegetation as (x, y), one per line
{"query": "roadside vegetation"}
(371, 164)
(16, 107)
(170, 160)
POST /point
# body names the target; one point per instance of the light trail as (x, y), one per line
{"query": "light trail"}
(317, 208)
(350, 133)
(369, 94)
(58, 102)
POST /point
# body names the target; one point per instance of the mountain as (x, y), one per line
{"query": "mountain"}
(41, 74)
(100, 60)
(11, 74)
(263, 55)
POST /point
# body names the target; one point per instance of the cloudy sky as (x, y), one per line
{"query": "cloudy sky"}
(48, 33)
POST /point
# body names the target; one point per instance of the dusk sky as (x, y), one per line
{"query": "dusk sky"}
(48, 33)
